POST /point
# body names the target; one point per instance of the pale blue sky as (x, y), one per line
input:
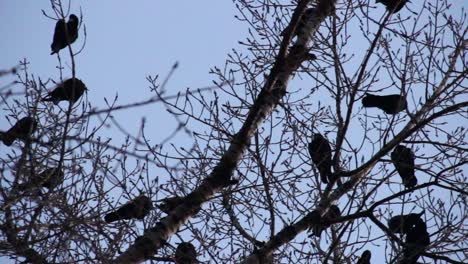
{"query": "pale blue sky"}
(126, 41)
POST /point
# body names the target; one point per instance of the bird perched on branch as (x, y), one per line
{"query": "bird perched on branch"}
(21, 130)
(137, 208)
(403, 160)
(320, 152)
(65, 33)
(365, 257)
(393, 5)
(417, 239)
(404, 223)
(326, 220)
(390, 104)
(70, 90)
(185, 254)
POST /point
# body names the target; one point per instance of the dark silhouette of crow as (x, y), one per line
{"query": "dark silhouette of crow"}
(332, 214)
(403, 160)
(365, 257)
(315, 222)
(21, 130)
(417, 239)
(393, 5)
(70, 90)
(404, 223)
(65, 33)
(137, 208)
(390, 104)
(320, 152)
(185, 254)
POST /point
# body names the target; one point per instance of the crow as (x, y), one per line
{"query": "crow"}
(393, 6)
(417, 239)
(65, 33)
(403, 160)
(332, 214)
(137, 208)
(404, 223)
(70, 90)
(390, 104)
(185, 254)
(21, 130)
(320, 152)
(365, 257)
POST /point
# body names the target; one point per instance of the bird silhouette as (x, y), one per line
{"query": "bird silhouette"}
(326, 220)
(21, 130)
(185, 254)
(65, 33)
(70, 90)
(403, 160)
(417, 239)
(137, 208)
(404, 223)
(320, 152)
(393, 5)
(390, 104)
(365, 257)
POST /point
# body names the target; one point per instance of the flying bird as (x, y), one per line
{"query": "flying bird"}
(390, 104)
(65, 33)
(320, 152)
(185, 254)
(70, 90)
(365, 257)
(393, 5)
(137, 208)
(21, 130)
(403, 160)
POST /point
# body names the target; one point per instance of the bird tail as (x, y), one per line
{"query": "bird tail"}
(111, 217)
(6, 138)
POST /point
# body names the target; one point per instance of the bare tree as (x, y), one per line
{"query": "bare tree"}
(247, 189)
